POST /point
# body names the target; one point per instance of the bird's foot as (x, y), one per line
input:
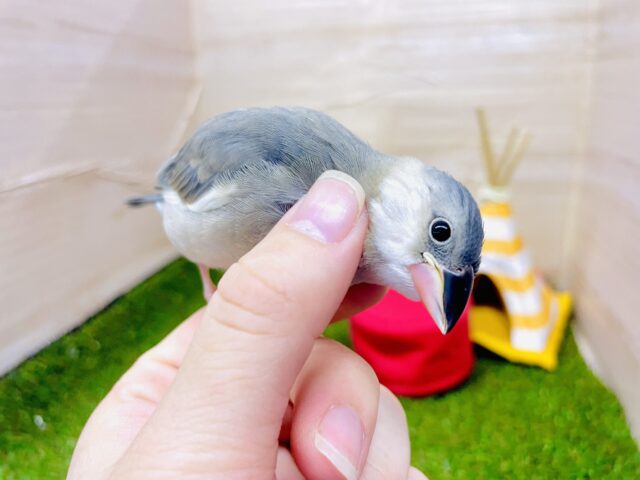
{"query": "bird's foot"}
(208, 287)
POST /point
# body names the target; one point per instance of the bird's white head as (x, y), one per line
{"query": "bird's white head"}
(425, 238)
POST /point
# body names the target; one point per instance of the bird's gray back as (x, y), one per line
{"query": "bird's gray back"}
(257, 141)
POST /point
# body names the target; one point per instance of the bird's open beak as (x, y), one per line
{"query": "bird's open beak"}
(444, 293)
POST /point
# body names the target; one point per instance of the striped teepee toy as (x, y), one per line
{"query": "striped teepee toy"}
(516, 314)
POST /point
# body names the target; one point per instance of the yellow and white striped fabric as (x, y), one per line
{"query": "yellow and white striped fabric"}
(529, 303)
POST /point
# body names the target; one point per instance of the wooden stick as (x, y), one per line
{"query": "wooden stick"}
(508, 150)
(519, 152)
(487, 152)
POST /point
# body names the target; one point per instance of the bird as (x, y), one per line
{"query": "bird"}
(242, 170)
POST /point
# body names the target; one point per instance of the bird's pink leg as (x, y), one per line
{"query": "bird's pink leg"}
(208, 287)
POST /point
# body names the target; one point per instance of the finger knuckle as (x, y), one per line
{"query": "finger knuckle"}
(145, 381)
(250, 301)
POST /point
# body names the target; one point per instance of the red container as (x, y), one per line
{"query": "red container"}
(407, 351)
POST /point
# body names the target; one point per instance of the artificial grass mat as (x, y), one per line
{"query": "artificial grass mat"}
(507, 421)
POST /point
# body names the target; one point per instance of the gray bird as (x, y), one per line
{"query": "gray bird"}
(242, 170)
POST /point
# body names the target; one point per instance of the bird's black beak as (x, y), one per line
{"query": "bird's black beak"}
(444, 293)
(457, 290)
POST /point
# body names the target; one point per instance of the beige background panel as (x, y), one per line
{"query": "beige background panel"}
(607, 236)
(66, 268)
(93, 97)
(406, 77)
(91, 84)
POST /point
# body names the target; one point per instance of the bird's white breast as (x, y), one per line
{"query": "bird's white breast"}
(397, 220)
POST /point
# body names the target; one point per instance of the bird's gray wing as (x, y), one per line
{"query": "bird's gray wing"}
(257, 141)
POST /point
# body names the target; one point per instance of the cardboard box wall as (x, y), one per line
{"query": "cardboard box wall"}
(93, 97)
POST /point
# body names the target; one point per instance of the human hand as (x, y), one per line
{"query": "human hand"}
(245, 388)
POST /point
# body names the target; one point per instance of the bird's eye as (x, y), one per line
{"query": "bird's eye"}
(440, 230)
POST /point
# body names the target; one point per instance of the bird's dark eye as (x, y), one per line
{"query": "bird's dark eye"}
(440, 230)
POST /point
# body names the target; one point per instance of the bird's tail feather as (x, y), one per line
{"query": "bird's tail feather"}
(144, 200)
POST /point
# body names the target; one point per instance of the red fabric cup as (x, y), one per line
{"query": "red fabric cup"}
(407, 351)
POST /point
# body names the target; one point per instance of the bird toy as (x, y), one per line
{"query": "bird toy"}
(516, 314)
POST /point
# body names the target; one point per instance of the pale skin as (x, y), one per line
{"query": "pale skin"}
(246, 388)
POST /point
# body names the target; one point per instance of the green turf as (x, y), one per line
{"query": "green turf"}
(507, 421)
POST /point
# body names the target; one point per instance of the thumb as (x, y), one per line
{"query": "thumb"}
(224, 411)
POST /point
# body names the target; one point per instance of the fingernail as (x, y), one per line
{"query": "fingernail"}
(340, 438)
(330, 209)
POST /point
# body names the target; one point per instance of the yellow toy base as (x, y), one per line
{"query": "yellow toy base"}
(489, 328)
